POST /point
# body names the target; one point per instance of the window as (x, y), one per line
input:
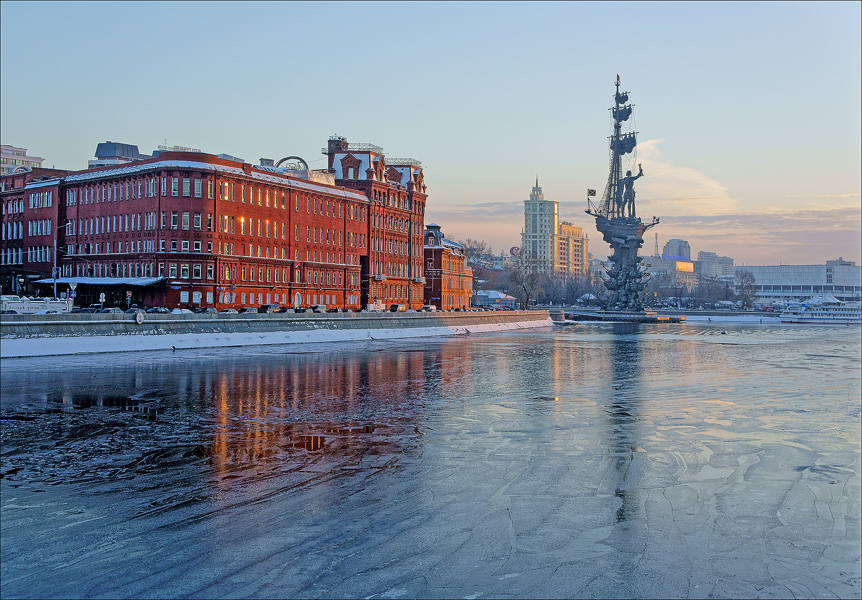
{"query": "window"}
(172, 270)
(209, 222)
(196, 271)
(161, 245)
(186, 186)
(173, 245)
(197, 246)
(185, 221)
(185, 245)
(197, 188)
(164, 186)
(173, 219)
(184, 272)
(209, 271)
(175, 186)
(197, 221)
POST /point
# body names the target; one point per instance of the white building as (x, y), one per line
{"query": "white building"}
(676, 249)
(554, 247)
(12, 157)
(712, 265)
(787, 283)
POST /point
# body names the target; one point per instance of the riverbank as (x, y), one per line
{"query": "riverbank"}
(53, 335)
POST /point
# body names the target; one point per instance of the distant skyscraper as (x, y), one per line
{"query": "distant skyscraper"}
(555, 247)
(676, 250)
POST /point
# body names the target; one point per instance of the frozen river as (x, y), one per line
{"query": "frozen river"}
(598, 460)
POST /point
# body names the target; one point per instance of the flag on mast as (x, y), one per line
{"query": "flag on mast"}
(591, 192)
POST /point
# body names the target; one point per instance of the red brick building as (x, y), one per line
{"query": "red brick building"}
(395, 189)
(188, 229)
(449, 281)
(29, 200)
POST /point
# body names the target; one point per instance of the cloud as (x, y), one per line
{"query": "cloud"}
(769, 237)
(669, 189)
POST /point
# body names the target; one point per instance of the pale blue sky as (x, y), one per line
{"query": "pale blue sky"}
(748, 113)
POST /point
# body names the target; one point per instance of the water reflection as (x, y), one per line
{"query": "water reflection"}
(625, 401)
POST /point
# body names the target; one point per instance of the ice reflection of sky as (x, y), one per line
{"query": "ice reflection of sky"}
(608, 453)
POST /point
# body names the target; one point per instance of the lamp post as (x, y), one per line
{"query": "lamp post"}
(54, 270)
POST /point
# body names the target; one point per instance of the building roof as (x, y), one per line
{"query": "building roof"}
(118, 150)
(495, 294)
(134, 281)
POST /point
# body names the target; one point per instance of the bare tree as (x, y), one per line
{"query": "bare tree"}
(525, 279)
(477, 255)
(745, 287)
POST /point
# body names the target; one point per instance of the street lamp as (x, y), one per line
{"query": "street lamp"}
(54, 270)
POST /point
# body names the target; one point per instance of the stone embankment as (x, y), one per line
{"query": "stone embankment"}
(46, 335)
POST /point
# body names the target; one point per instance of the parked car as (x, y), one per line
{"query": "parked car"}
(285, 309)
(209, 310)
(428, 308)
(159, 310)
(134, 310)
(318, 308)
(228, 311)
(268, 308)
(11, 312)
(334, 310)
(247, 310)
(398, 308)
(111, 310)
(181, 311)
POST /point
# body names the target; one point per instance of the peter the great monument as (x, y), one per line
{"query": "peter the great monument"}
(616, 219)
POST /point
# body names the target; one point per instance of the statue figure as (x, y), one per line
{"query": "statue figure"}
(628, 192)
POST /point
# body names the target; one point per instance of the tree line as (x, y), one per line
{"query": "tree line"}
(519, 277)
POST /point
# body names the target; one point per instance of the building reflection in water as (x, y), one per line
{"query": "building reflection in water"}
(256, 416)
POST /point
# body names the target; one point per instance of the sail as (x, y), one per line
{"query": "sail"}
(622, 113)
(622, 98)
(624, 144)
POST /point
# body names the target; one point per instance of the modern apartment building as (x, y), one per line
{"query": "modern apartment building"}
(553, 247)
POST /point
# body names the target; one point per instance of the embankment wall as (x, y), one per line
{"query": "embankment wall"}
(45, 335)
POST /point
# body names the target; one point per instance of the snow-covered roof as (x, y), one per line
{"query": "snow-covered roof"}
(36, 184)
(135, 281)
(494, 294)
(274, 177)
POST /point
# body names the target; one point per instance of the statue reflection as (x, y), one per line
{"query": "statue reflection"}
(623, 411)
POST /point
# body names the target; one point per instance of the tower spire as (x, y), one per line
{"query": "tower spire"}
(537, 180)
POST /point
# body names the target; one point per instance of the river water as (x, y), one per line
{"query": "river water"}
(598, 460)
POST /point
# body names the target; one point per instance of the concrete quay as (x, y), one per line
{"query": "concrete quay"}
(612, 316)
(47, 335)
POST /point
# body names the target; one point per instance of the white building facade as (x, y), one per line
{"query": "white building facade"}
(790, 283)
(553, 247)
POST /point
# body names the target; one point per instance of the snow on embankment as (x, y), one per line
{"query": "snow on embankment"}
(44, 338)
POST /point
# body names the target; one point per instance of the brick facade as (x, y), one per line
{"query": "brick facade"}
(448, 279)
(188, 229)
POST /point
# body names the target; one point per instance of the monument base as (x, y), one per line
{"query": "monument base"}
(623, 316)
